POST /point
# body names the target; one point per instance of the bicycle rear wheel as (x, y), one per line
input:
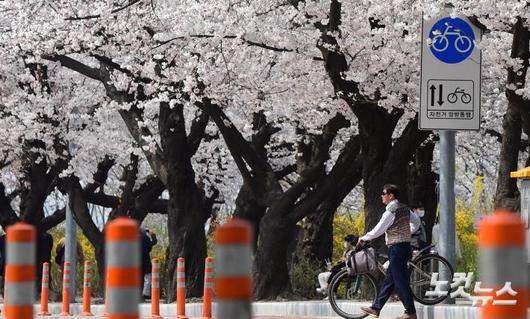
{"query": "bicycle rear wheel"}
(422, 272)
(344, 290)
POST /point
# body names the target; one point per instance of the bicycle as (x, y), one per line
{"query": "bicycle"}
(440, 42)
(344, 289)
(453, 97)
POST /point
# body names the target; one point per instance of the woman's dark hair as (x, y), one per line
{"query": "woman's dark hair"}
(352, 239)
(391, 189)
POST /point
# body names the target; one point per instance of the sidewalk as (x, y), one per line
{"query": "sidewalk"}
(297, 309)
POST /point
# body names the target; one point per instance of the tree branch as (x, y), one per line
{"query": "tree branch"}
(517, 78)
(77, 66)
(335, 62)
(265, 130)
(52, 220)
(130, 117)
(311, 168)
(101, 175)
(197, 131)
(343, 177)
(115, 66)
(102, 199)
(406, 144)
(130, 174)
(147, 199)
(240, 148)
(498, 136)
(81, 213)
(95, 16)
(249, 42)
(289, 169)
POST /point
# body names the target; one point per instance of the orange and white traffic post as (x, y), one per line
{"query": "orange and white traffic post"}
(503, 267)
(181, 288)
(66, 290)
(122, 254)
(87, 288)
(44, 293)
(155, 289)
(233, 278)
(20, 272)
(208, 287)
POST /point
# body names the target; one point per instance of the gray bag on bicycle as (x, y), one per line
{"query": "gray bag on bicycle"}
(361, 262)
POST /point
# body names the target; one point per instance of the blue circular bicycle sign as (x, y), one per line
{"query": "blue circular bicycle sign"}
(451, 40)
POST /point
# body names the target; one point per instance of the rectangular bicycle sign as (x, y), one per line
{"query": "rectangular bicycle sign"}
(450, 99)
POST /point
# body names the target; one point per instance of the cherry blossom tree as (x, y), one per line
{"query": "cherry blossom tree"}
(310, 97)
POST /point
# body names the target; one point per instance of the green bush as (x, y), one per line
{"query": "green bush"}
(304, 278)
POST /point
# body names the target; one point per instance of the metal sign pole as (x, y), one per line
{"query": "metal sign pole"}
(447, 199)
(70, 248)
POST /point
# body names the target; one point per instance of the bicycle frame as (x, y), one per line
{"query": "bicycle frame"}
(421, 252)
(410, 262)
(447, 32)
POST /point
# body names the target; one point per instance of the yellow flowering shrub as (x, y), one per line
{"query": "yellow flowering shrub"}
(343, 225)
(465, 217)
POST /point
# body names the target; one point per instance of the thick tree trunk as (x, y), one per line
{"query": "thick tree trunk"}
(35, 169)
(249, 209)
(386, 163)
(278, 226)
(507, 193)
(376, 127)
(509, 157)
(271, 275)
(186, 239)
(83, 218)
(317, 237)
(422, 185)
(251, 199)
(186, 213)
(7, 215)
(317, 243)
(304, 197)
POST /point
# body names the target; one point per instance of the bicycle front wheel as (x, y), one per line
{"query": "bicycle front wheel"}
(344, 290)
(422, 272)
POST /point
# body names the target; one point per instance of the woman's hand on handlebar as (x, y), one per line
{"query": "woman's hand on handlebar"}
(360, 244)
